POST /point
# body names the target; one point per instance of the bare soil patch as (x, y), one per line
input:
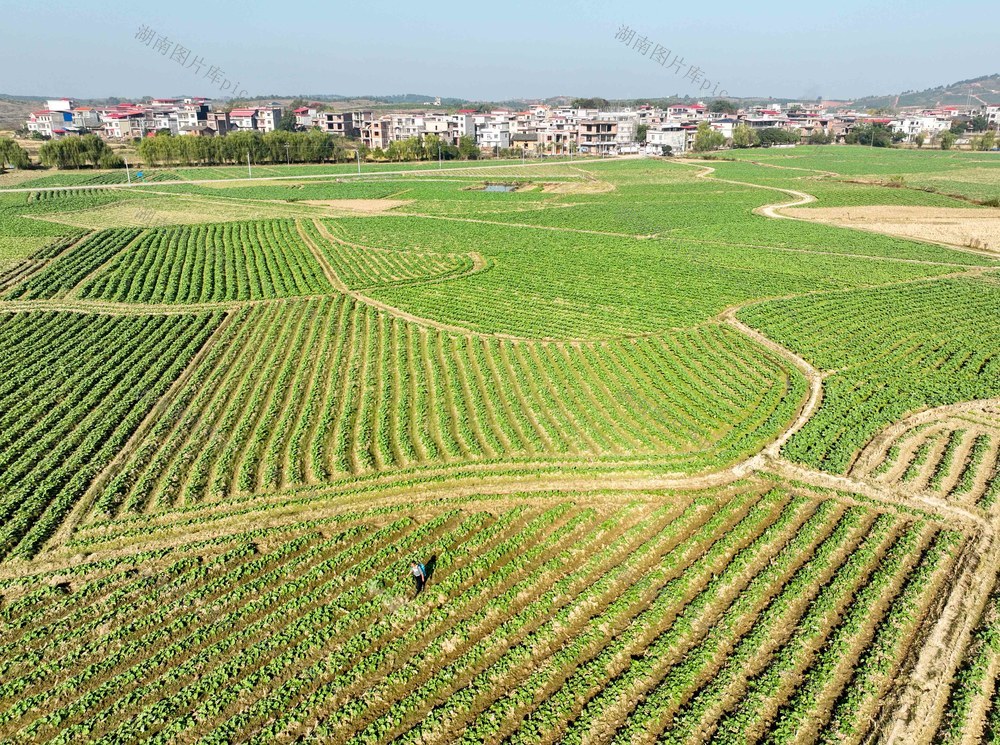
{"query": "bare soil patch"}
(577, 187)
(360, 206)
(969, 227)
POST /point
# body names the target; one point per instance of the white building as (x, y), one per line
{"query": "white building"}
(494, 134)
(672, 135)
(992, 113)
(268, 117)
(911, 126)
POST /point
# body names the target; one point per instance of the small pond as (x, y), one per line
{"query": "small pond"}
(499, 187)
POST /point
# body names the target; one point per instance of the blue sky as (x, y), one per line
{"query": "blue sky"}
(493, 51)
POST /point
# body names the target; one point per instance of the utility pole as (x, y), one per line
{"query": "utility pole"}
(288, 157)
(439, 153)
(127, 174)
(358, 153)
(249, 169)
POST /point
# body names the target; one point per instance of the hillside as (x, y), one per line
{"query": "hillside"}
(985, 89)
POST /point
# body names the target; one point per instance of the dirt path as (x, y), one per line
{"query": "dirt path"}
(813, 376)
(913, 708)
(803, 198)
(363, 174)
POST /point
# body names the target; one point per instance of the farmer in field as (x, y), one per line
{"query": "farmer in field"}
(419, 575)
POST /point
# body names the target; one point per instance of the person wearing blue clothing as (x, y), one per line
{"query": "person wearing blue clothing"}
(419, 574)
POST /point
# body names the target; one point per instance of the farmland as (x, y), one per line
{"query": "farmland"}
(680, 470)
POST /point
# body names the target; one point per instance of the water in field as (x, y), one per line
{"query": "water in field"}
(499, 187)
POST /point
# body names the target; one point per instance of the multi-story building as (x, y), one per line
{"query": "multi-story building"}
(557, 134)
(192, 113)
(627, 122)
(306, 117)
(375, 132)
(86, 117)
(595, 135)
(243, 120)
(50, 123)
(219, 121)
(672, 135)
(338, 123)
(405, 126)
(493, 134)
(911, 126)
(268, 117)
(124, 125)
(992, 113)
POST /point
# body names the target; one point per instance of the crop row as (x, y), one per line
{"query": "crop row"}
(895, 350)
(75, 390)
(272, 605)
(682, 620)
(361, 267)
(205, 263)
(308, 391)
(69, 269)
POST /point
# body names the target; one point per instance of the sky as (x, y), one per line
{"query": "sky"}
(493, 50)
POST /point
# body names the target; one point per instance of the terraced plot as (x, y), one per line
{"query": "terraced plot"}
(221, 445)
(76, 388)
(68, 270)
(660, 616)
(952, 452)
(304, 392)
(892, 350)
(362, 267)
(205, 263)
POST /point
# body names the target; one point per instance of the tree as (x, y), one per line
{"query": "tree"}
(666, 150)
(722, 106)
(13, 155)
(958, 126)
(776, 136)
(590, 103)
(706, 138)
(819, 137)
(744, 137)
(919, 140)
(640, 133)
(979, 123)
(76, 152)
(947, 139)
(864, 135)
(467, 148)
(288, 123)
(985, 141)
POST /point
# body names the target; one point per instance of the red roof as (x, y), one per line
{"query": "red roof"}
(242, 112)
(466, 111)
(39, 113)
(301, 110)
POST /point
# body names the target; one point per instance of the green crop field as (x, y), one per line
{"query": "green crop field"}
(680, 469)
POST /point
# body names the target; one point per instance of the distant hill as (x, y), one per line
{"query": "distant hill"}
(14, 110)
(985, 89)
